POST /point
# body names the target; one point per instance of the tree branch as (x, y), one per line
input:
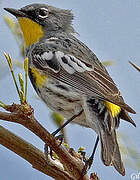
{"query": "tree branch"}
(33, 155)
(24, 114)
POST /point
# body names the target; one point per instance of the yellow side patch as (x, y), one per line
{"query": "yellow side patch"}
(32, 31)
(39, 79)
(115, 110)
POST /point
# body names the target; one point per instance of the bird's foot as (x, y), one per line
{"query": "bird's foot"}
(88, 163)
(46, 147)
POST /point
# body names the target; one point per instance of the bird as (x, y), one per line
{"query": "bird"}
(70, 78)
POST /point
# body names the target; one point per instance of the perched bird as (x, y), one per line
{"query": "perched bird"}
(69, 78)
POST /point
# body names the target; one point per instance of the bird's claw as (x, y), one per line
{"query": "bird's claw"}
(60, 138)
(46, 147)
(87, 165)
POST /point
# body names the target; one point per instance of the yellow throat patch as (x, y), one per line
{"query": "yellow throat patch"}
(115, 110)
(39, 79)
(32, 31)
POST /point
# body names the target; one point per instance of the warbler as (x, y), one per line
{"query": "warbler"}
(69, 78)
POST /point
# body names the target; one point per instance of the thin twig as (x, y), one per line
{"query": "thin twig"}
(135, 66)
(26, 75)
(9, 60)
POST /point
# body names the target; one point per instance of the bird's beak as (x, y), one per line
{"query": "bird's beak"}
(15, 12)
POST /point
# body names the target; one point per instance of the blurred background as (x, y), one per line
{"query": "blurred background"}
(112, 30)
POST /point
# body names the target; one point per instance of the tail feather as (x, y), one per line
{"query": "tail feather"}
(125, 116)
(107, 147)
(101, 120)
(110, 152)
(116, 161)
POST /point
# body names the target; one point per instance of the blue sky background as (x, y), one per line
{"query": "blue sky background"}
(112, 30)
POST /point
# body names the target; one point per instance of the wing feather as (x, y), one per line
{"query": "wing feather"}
(79, 82)
(88, 77)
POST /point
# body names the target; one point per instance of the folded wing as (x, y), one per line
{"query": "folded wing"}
(87, 78)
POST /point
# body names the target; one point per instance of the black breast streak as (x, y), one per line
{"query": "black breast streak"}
(62, 87)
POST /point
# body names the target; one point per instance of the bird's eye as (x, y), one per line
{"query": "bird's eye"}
(43, 13)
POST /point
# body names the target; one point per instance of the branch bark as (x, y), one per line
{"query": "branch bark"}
(24, 115)
(33, 155)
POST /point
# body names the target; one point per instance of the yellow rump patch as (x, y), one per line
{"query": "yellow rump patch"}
(115, 110)
(39, 79)
(32, 31)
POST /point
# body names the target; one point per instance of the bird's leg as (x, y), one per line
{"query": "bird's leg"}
(89, 162)
(60, 137)
(67, 122)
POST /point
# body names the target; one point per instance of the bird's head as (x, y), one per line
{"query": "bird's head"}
(36, 20)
